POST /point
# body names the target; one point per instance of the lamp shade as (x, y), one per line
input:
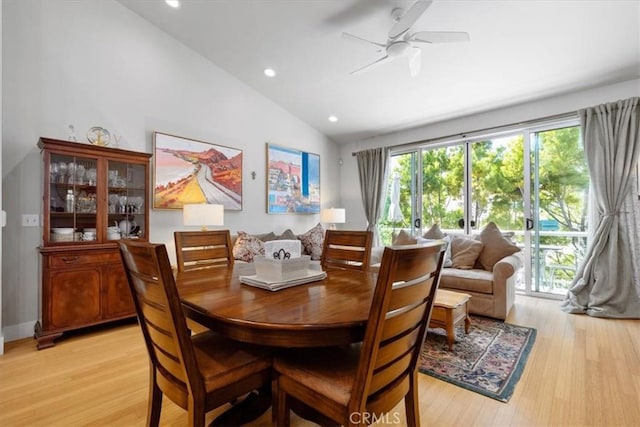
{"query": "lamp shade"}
(333, 216)
(202, 215)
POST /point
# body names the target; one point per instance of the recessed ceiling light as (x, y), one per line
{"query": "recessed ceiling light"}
(333, 119)
(173, 3)
(269, 72)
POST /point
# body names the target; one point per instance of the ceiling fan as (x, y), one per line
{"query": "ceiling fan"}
(400, 41)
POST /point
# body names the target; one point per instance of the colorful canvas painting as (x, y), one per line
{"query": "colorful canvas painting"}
(293, 181)
(190, 171)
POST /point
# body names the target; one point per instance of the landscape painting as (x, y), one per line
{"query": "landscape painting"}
(189, 171)
(293, 181)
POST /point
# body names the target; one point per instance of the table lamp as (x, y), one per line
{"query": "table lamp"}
(202, 215)
(333, 216)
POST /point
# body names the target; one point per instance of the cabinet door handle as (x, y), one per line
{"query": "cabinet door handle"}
(70, 260)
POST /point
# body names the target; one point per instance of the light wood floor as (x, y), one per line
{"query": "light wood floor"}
(582, 372)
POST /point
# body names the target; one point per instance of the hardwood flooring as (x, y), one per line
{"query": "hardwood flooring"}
(582, 371)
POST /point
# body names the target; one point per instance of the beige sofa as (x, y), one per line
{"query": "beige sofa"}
(485, 266)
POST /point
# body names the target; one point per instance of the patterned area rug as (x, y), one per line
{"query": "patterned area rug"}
(489, 360)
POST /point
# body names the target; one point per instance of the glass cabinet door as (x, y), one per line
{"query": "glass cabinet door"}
(72, 198)
(126, 216)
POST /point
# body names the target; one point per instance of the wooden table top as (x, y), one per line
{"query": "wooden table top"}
(333, 311)
(450, 299)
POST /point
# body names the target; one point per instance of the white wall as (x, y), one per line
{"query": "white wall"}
(350, 195)
(95, 63)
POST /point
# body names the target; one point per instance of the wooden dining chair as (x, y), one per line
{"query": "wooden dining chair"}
(197, 372)
(346, 249)
(203, 249)
(358, 384)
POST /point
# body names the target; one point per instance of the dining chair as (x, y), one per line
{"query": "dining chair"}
(358, 384)
(203, 249)
(197, 372)
(346, 249)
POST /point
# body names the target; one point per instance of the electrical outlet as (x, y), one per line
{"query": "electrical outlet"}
(29, 220)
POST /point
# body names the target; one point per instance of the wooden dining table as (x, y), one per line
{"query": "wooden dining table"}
(328, 312)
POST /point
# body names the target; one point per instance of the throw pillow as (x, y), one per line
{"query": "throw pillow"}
(464, 252)
(447, 255)
(496, 246)
(434, 233)
(267, 236)
(247, 247)
(403, 238)
(312, 242)
(287, 235)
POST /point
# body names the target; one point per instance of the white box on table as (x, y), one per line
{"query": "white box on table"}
(292, 247)
(280, 270)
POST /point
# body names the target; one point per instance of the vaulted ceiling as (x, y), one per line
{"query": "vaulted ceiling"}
(518, 51)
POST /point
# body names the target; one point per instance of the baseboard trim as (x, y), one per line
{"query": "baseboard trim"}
(18, 332)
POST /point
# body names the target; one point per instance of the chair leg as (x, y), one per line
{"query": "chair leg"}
(196, 414)
(155, 400)
(412, 402)
(283, 417)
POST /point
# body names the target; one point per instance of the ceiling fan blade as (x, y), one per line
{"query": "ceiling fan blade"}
(415, 61)
(409, 18)
(440, 37)
(373, 65)
(379, 46)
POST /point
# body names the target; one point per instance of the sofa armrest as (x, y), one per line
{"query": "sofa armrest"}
(507, 266)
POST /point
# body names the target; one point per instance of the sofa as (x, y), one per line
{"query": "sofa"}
(485, 266)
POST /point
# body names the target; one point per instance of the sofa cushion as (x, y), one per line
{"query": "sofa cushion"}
(247, 247)
(312, 241)
(496, 246)
(465, 252)
(475, 280)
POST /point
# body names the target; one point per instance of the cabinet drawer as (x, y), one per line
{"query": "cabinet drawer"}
(69, 259)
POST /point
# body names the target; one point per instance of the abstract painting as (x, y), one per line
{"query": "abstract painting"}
(189, 171)
(293, 181)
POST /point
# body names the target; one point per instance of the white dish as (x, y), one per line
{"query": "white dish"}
(62, 230)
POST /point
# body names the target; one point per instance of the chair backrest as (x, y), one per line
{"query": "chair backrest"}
(346, 249)
(203, 249)
(403, 299)
(161, 318)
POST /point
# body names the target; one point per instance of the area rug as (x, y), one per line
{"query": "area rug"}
(489, 360)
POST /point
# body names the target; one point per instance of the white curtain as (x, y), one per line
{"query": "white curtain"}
(372, 171)
(607, 282)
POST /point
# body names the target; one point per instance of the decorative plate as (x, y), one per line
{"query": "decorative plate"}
(99, 136)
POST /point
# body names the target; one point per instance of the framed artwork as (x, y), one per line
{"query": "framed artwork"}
(190, 171)
(293, 181)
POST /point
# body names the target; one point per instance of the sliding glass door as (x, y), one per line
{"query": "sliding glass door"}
(532, 183)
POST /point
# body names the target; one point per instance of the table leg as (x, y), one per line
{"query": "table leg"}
(467, 320)
(451, 332)
(251, 407)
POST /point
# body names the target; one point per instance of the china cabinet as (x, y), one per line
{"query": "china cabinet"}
(93, 197)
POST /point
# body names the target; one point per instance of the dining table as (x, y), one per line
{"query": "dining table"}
(328, 312)
(332, 311)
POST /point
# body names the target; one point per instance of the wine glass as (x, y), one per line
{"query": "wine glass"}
(62, 168)
(54, 170)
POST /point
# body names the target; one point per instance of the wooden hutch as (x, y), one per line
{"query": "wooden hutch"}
(93, 197)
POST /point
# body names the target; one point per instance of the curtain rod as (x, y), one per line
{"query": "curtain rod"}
(494, 129)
